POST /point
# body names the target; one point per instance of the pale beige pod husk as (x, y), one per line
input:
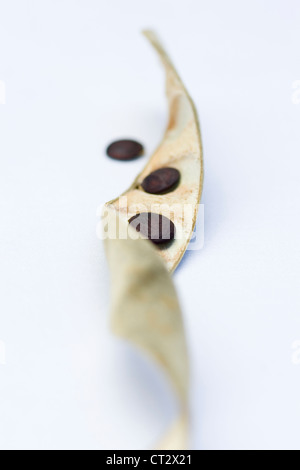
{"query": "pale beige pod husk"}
(145, 311)
(180, 148)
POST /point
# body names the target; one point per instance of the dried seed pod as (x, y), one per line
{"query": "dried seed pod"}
(180, 149)
(145, 308)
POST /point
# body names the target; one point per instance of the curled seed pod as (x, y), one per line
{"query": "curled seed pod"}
(145, 311)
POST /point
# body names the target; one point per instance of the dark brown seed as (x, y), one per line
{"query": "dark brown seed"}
(161, 181)
(124, 150)
(156, 227)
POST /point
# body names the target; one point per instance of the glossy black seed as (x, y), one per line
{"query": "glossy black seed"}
(125, 150)
(156, 227)
(161, 181)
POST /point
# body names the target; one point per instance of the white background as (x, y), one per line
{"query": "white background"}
(78, 74)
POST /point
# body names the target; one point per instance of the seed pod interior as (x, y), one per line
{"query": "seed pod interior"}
(180, 149)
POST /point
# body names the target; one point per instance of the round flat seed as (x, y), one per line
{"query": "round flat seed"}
(161, 181)
(156, 227)
(125, 150)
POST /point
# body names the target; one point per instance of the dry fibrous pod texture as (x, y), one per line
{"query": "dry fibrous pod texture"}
(160, 205)
(181, 150)
(145, 311)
